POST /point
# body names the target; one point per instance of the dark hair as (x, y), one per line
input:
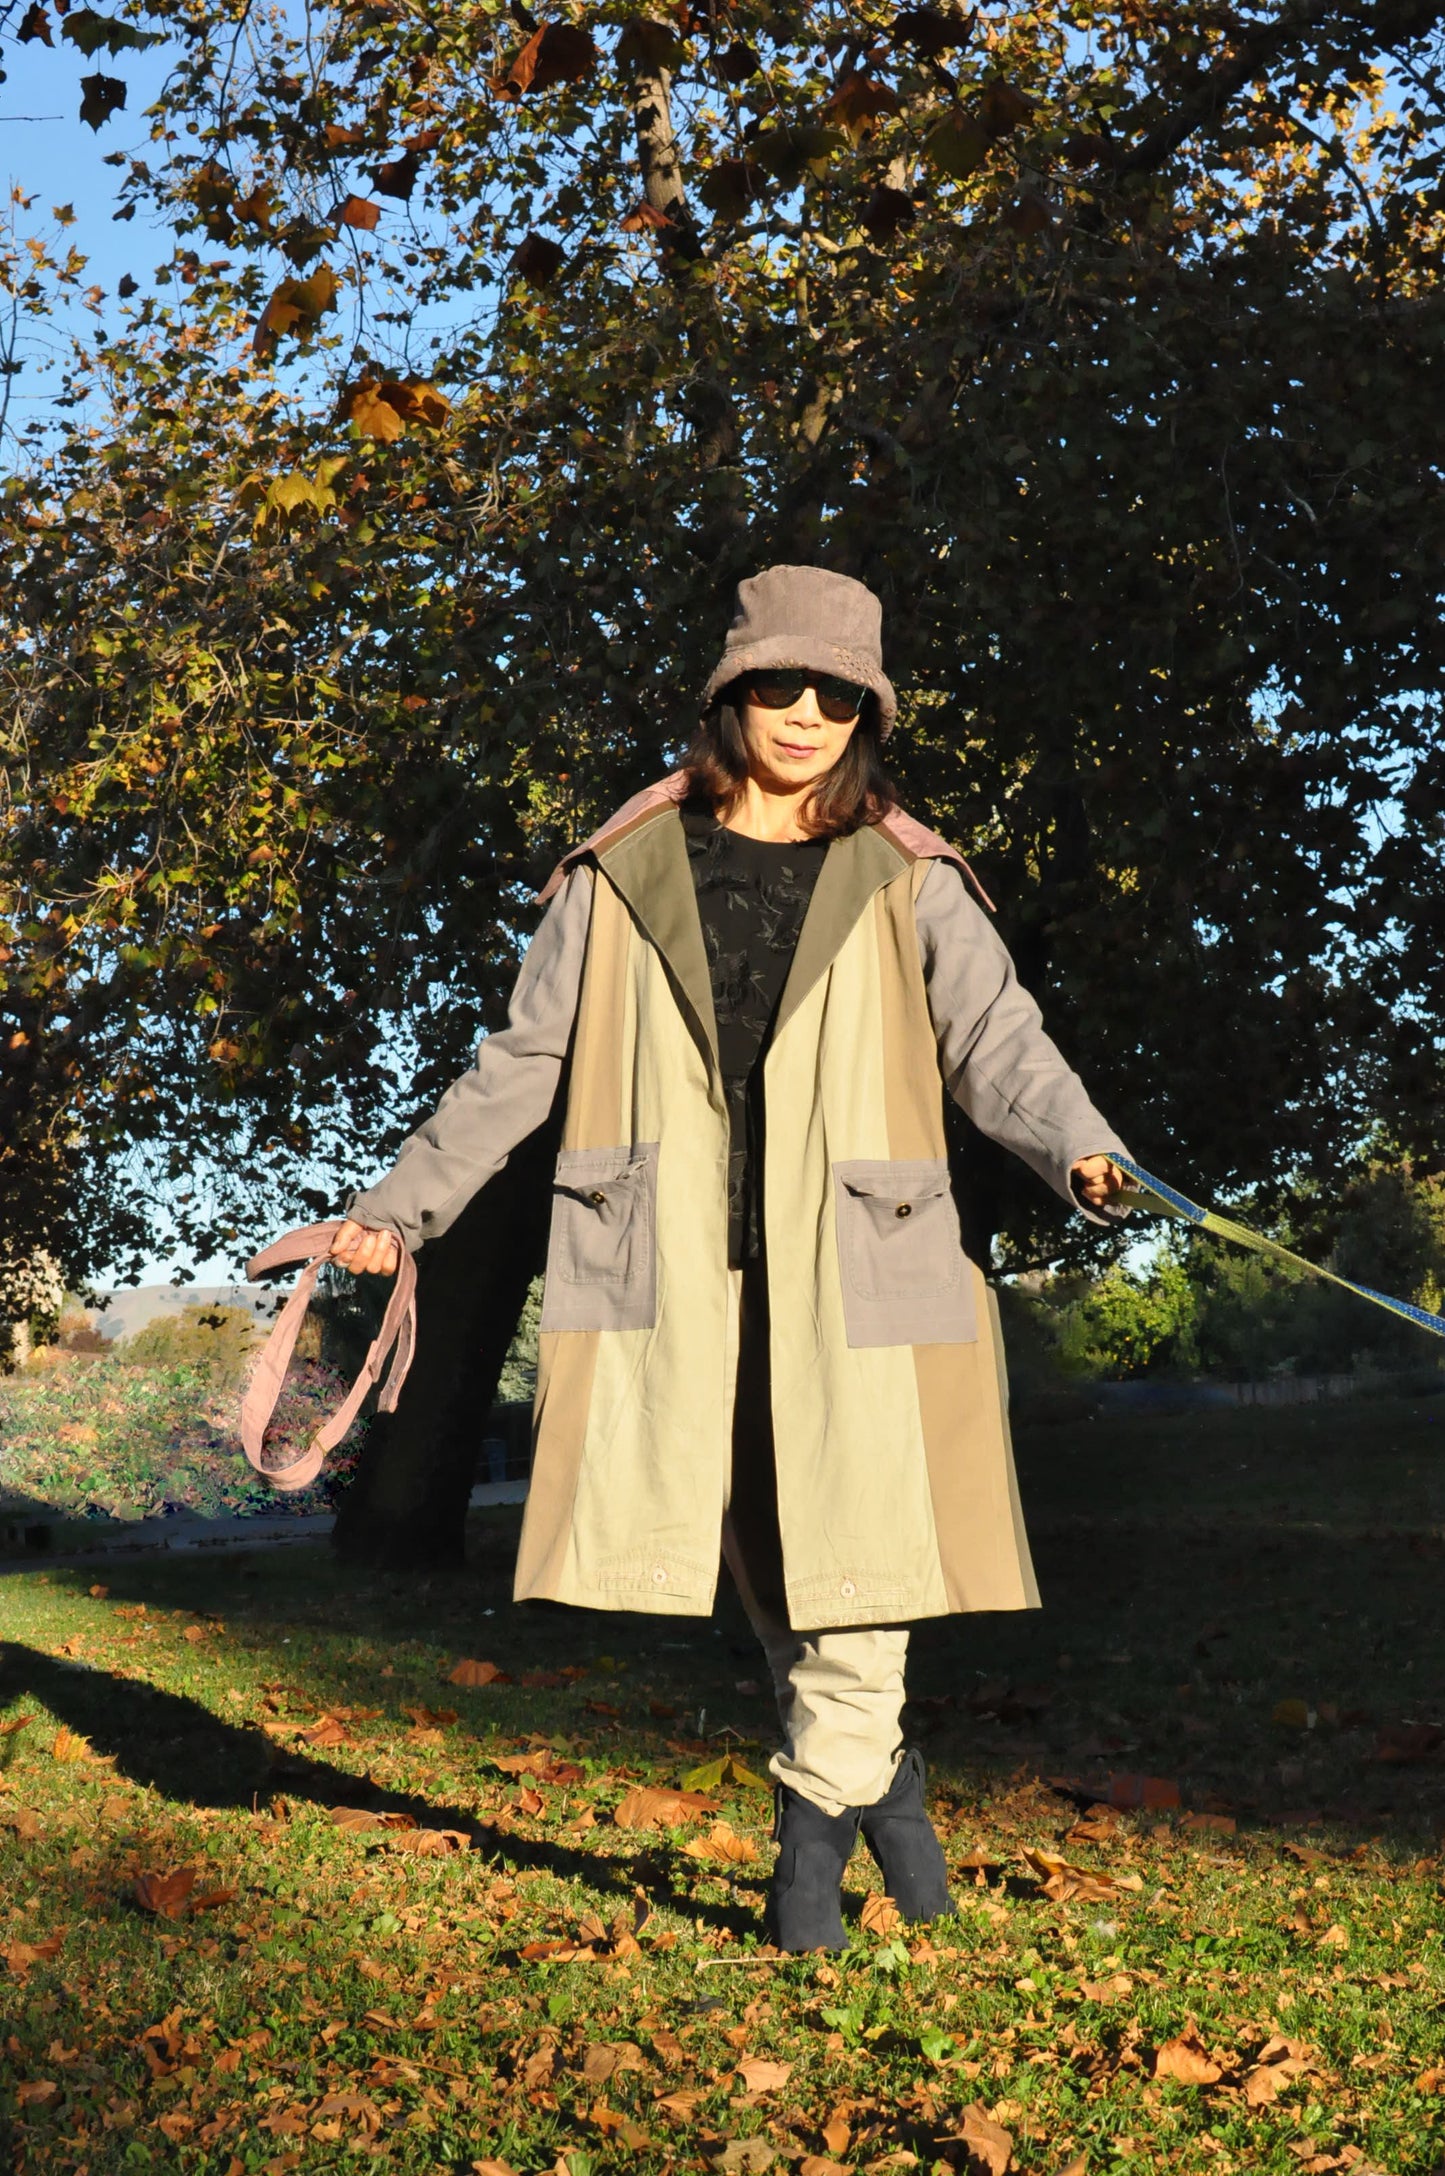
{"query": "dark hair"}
(855, 792)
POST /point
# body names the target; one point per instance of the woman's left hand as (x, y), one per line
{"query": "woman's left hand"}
(1096, 1179)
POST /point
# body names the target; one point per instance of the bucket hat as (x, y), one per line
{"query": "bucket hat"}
(810, 617)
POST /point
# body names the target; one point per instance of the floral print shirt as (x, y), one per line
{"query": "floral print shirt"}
(752, 895)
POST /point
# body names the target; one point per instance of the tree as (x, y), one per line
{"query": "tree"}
(1100, 339)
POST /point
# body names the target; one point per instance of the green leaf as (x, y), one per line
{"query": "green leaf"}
(92, 32)
(957, 146)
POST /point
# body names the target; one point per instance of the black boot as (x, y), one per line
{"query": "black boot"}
(902, 1839)
(804, 1903)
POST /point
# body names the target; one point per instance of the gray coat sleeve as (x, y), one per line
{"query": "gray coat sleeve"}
(996, 1060)
(503, 1097)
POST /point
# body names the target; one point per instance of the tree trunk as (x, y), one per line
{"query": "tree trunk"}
(407, 1504)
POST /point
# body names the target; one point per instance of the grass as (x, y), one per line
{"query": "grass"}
(1242, 1607)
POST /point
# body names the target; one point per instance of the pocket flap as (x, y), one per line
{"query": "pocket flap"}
(895, 1182)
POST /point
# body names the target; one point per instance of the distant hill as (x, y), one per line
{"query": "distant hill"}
(123, 1312)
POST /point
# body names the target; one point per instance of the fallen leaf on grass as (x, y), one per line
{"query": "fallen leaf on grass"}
(329, 1731)
(16, 1722)
(990, 2148)
(469, 1672)
(36, 2089)
(426, 1843)
(20, 1956)
(99, 1593)
(357, 1817)
(1066, 1883)
(1430, 2081)
(723, 1846)
(612, 2124)
(1187, 2060)
(837, 2133)
(431, 1718)
(744, 2157)
(165, 1894)
(1334, 1938)
(24, 1824)
(604, 2058)
(761, 2076)
(1097, 1824)
(1112, 1989)
(817, 2164)
(684, 2105)
(656, 1806)
(68, 1744)
(1277, 2062)
(1209, 1824)
(354, 2108)
(713, 1774)
(541, 1763)
(880, 1915)
(490, 2167)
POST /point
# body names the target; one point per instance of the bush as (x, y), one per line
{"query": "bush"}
(218, 1343)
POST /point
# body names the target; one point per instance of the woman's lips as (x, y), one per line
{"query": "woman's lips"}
(795, 747)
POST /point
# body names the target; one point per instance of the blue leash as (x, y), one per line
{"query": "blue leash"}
(1168, 1201)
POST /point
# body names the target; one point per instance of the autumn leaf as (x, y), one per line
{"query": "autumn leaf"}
(713, 1774)
(557, 53)
(1064, 1882)
(930, 31)
(537, 259)
(761, 2076)
(210, 1899)
(425, 1718)
(358, 211)
(357, 1817)
(1187, 2060)
(24, 1824)
(16, 1722)
(887, 212)
(643, 218)
(858, 103)
(426, 1843)
(165, 1894)
(328, 1731)
(602, 2059)
(880, 1915)
(68, 1745)
(990, 2147)
(101, 96)
(1277, 2062)
(20, 1956)
(722, 1845)
(468, 1672)
(655, 1806)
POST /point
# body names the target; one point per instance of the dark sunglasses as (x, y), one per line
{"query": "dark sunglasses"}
(839, 700)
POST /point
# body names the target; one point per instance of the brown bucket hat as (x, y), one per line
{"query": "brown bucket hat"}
(807, 616)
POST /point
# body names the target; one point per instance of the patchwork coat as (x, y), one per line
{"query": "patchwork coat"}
(896, 1490)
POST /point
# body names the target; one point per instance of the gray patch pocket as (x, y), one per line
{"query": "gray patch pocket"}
(602, 1246)
(906, 1279)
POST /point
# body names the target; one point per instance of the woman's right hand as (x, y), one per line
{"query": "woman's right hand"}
(358, 1249)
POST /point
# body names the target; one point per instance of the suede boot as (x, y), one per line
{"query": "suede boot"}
(903, 1840)
(804, 1908)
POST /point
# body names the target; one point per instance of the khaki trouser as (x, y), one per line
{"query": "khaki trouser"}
(839, 1693)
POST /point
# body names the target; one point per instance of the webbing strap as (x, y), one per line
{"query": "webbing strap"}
(1168, 1201)
(311, 1243)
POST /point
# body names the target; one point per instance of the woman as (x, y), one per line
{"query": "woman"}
(760, 1330)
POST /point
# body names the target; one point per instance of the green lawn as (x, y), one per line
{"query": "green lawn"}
(1242, 1608)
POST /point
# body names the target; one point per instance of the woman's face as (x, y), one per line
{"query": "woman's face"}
(791, 749)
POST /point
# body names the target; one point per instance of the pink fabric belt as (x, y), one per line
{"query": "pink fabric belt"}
(311, 1243)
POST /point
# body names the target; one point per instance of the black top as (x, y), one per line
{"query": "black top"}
(752, 895)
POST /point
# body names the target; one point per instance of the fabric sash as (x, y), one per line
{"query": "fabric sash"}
(1168, 1201)
(310, 1243)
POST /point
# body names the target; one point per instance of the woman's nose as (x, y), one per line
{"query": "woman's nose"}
(805, 710)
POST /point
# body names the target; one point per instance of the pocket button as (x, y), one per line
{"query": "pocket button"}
(905, 1208)
(597, 1197)
(659, 1575)
(847, 1590)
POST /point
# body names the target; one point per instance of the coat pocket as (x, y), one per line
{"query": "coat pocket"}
(602, 1246)
(906, 1279)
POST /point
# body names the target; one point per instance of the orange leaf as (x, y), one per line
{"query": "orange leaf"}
(165, 1894)
(1187, 2059)
(642, 218)
(16, 1722)
(20, 1956)
(880, 1915)
(428, 1843)
(761, 2076)
(468, 1672)
(557, 53)
(724, 1845)
(211, 1898)
(990, 2147)
(652, 1805)
(69, 1745)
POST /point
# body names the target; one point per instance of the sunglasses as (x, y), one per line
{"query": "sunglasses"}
(838, 700)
